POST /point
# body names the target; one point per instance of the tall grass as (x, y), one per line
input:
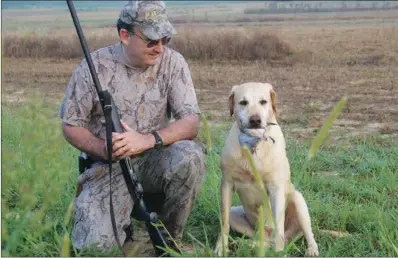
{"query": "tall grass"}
(38, 181)
(34, 45)
(231, 44)
(220, 44)
(40, 170)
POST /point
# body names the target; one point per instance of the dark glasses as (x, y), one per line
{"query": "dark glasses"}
(152, 43)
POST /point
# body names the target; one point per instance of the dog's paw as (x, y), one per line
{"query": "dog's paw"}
(312, 251)
(279, 243)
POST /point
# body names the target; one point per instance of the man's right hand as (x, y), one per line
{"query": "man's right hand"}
(129, 143)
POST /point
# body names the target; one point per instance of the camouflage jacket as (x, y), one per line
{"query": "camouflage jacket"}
(145, 98)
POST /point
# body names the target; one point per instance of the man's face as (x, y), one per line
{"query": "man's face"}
(137, 49)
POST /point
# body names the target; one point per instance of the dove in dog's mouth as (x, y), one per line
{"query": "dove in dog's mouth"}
(249, 141)
(251, 137)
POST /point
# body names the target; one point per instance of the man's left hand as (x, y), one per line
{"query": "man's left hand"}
(130, 142)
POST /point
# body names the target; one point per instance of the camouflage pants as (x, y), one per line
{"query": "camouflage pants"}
(176, 171)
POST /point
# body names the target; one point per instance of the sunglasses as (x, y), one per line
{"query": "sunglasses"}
(153, 43)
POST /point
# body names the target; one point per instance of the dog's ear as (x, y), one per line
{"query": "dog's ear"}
(231, 103)
(273, 100)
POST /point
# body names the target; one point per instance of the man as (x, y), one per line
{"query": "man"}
(148, 82)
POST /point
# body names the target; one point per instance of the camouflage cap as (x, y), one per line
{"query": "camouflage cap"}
(150, 17)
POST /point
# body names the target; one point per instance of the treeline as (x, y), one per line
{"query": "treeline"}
(307, 9)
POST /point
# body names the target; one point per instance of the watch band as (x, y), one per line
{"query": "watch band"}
(158, 140)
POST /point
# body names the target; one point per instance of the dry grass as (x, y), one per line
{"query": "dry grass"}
(211, 44)
(33, 45)
(230, 44)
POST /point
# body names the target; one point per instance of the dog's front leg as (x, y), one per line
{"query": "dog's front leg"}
(278, 201)
(226, 202)
(305, 223)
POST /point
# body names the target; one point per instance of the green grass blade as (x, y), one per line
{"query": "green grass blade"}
(265, 207)
(69, 213)
(248, 155)
(321, 136)
(261, 228)
(207, 132)
(65, 248)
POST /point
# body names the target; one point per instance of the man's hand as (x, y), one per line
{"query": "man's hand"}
(130, 143)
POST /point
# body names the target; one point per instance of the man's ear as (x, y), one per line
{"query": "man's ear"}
(273, 100)
(124, 37)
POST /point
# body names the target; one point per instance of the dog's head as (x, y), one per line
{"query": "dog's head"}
(254, 105)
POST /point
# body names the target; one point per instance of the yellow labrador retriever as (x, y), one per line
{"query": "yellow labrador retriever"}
(255, 125)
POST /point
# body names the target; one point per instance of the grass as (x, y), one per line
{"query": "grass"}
(40, 171)
(37, 181)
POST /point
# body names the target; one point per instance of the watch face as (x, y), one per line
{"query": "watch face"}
(158, 142)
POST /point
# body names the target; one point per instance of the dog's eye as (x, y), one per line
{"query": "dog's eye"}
(243, 102)
(263, 102)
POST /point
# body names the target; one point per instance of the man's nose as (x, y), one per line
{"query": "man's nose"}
(159, 48)
(255, 121)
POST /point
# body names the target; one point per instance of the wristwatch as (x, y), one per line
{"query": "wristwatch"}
(158, 140)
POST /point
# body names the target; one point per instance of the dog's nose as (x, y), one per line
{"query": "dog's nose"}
(255, 121)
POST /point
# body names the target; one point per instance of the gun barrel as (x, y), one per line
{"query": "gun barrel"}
(83, 43)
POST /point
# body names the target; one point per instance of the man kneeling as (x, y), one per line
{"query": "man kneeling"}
(148, 82)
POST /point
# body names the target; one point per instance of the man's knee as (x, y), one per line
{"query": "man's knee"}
(184, 179)
(192, 163)
(96, 235)
(92, 227)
